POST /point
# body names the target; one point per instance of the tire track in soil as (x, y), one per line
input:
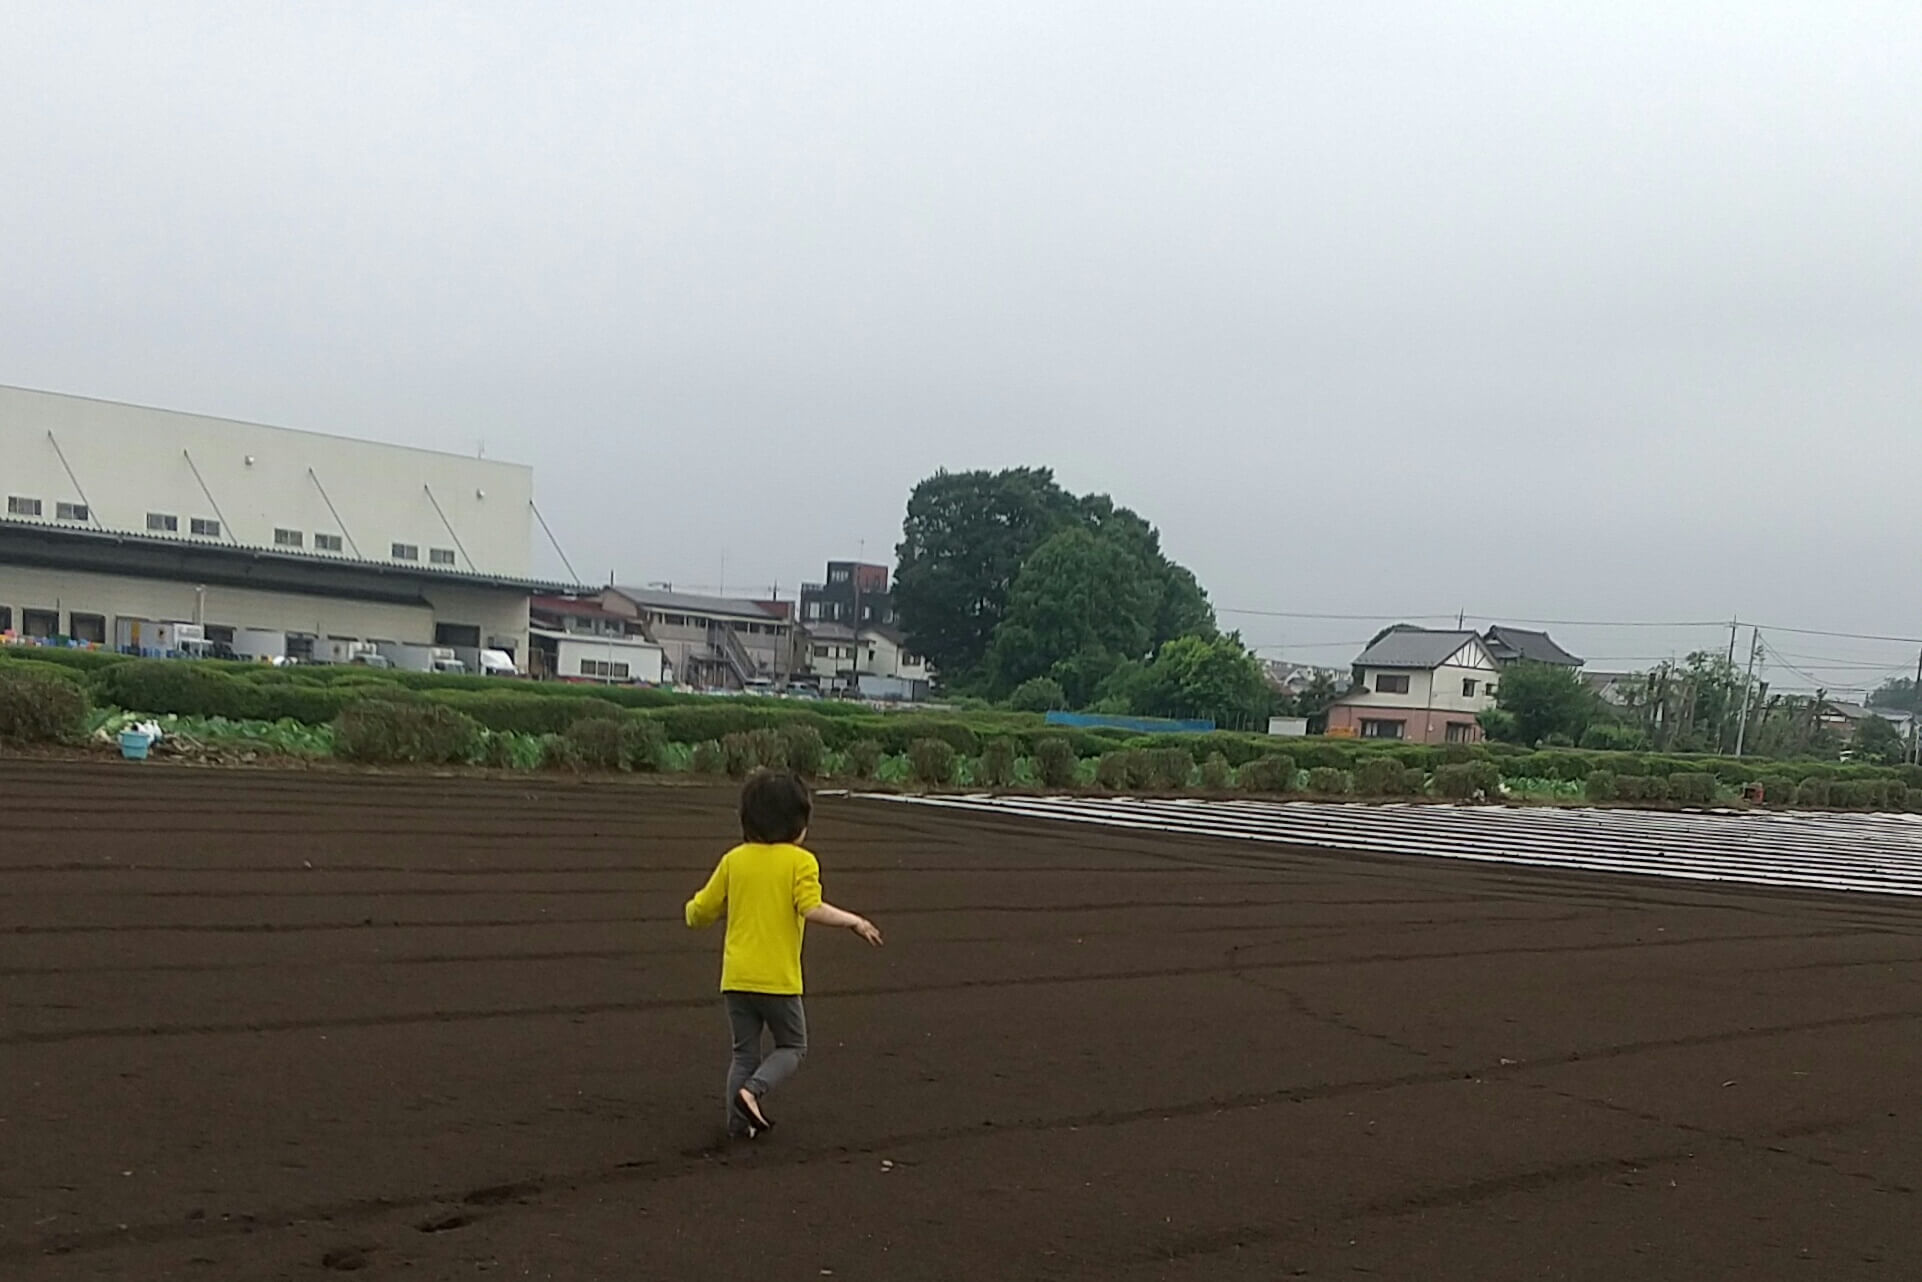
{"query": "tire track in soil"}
(1441, 1197)
(1319, 930)
(650, 1170)
(582, 1009)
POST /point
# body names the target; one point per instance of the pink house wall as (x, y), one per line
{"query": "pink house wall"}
(1423, 725)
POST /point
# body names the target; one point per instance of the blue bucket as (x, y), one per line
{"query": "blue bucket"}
(134, 745)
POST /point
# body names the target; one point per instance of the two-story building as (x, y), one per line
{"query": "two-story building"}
(1418, 684)
(712, 642)
(873, 662)
(579, 639)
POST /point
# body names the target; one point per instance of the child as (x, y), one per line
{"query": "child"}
(769, 887)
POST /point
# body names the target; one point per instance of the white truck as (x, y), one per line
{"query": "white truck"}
(486, 662)
(259, 643)
(421, 658)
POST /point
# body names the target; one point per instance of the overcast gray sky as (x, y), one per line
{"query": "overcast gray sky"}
(1596, 311)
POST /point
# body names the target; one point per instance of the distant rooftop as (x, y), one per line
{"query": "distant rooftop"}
(1405, 646)
(1510, 644)
(693, 603)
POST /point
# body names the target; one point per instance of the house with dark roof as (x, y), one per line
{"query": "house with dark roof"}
(1519, 645)
(1420, 684)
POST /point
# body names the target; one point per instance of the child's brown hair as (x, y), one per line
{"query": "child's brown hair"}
(775, 807)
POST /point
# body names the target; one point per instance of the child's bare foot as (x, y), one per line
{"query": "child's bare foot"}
(751, 1105)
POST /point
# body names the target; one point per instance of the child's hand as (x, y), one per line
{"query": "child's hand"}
(867, 930)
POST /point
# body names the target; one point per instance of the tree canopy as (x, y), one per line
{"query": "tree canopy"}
(962, 544)
(1077, 593)
(1003, 577)
(1898, 694)
(1212, 677)
(1541, 700)
(1877, 739)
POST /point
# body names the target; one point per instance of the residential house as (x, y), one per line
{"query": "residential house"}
(855, 594)
(1419, 684)
(1292, 678)
(1841, 718)
(1617, 689)
(710, 642)
(874, 661)
(1518, 645)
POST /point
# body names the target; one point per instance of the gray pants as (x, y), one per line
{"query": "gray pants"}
(748, 1014)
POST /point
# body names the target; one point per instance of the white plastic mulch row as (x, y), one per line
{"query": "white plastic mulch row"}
(1874, 854)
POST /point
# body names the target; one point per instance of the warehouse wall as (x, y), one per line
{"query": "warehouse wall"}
(500, 616)
(130, 462)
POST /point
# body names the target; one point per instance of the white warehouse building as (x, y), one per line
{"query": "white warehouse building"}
(120, 517)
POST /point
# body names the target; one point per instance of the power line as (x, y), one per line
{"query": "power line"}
(1872, 668)
(1343, 618)
(1833, 658)
(1847, 636)
(1303, 645)
(1775, 654)
(1717, 624)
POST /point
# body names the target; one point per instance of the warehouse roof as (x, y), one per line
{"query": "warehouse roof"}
(156, 549)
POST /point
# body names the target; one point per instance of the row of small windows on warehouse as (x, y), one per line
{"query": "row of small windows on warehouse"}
(209, 528)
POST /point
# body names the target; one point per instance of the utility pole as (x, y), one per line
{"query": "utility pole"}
(1741, 726)
(1721, 730)
(1915, 712)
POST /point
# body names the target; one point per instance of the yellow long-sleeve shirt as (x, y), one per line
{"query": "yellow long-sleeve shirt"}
(765, 892)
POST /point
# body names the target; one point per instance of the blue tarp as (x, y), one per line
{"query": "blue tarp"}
(1140, 725)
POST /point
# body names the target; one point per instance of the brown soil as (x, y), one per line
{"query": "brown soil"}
(271, 1025)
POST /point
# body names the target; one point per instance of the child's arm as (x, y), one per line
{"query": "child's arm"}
(828, 915)
(711, 900)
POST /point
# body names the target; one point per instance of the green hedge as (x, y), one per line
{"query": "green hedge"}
(79, 660)
(393, 731)
(28, 667)
(203, 690)
(40, 708)
(1270, 774)
(316, 695)
(512, 711)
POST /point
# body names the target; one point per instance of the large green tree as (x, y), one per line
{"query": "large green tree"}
(1078, 593)
(1106, 597)
(1876, 739)
(962, 544)
(1543, 699)
(1899, 693)
(1212, 677)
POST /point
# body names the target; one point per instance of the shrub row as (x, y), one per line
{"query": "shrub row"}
(319, 695)
(417, 733)
(40, 707)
